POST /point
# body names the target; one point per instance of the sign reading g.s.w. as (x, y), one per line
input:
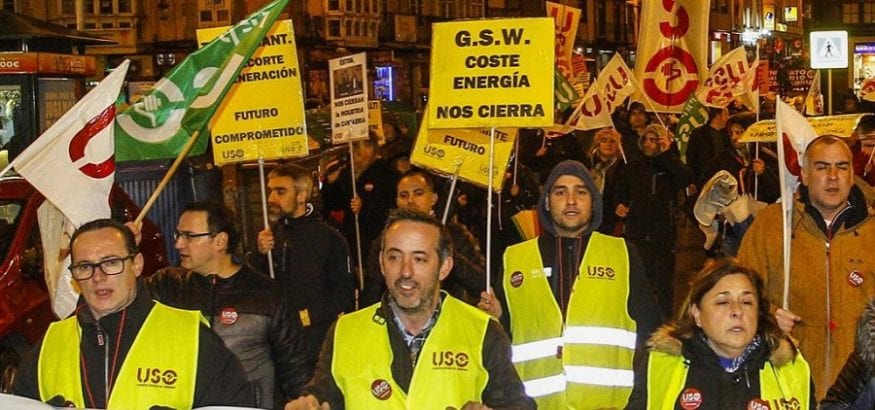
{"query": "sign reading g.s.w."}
(490, 73)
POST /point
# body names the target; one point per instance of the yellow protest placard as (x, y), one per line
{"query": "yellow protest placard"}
(443, 150)
(492, 73)
(263, 113)
(838, 125)
(375, 119)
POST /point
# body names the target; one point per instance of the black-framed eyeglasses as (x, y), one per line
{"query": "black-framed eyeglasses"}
(189, 235)
(111, 266)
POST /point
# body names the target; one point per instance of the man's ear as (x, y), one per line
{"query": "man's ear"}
(446, 267)
(137, 264)
(301, 197)
(221, 241)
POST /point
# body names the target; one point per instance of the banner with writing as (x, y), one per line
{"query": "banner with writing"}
(672, 51)
(492, 73)
(263, 114)
(466, 150)
(349, 98)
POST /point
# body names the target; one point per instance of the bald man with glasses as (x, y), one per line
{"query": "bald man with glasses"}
(120, 349)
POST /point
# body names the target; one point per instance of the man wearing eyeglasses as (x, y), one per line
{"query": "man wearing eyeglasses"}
(244, 306)
(120, 349)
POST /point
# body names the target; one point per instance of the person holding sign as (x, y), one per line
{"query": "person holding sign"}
(418, 348)
(311, 259)
(574, 349)
(374, 193)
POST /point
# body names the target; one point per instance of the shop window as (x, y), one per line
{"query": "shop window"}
(851, 13)
(334, 28)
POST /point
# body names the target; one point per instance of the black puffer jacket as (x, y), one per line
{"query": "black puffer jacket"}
(719, 389)
(312, 267)
(854, 387)
(249, 314)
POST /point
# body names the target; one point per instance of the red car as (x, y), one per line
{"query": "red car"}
(25, 307)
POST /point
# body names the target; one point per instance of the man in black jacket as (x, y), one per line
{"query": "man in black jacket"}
(91, 358)
(244, 306)
(310, 258)
(646, 197)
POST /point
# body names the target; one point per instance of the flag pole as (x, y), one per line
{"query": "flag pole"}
(358, 235)
(264, 211)
(452, 189)
(163, 184)
(489, 209)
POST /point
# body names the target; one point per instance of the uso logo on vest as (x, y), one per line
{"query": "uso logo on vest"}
(449, 360)
(156, 377)
(600, 272)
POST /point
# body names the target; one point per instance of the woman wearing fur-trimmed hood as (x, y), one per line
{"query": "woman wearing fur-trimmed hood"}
(723, 351)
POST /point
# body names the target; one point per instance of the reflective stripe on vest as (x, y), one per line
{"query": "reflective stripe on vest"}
(160, 368)
(598, 339)
(785, 387)
(448, 373)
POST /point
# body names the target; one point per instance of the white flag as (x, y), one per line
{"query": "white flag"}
(794, 134)
(814, 99)
(731, 76)
(72, 163)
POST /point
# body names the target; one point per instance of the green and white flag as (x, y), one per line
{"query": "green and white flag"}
(693, 115)
(182, 102)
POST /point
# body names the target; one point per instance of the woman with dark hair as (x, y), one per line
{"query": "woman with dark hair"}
(723, 351)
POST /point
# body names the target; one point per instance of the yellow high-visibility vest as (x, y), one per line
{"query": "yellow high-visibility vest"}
(586, 362)
(784, 387)
(449, 371)
(160, 369)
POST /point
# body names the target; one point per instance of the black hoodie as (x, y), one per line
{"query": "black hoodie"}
(564, 256)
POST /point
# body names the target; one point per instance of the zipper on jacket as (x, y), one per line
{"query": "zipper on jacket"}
(101, 341)
(212, 305)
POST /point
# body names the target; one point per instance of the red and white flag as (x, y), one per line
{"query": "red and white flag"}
(615, 82)
(672, 51)
(72, 163)
(731, 76)
(794, 134)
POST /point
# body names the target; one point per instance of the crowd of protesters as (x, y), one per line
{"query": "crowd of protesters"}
(579, 316)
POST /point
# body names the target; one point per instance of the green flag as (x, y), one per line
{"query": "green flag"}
(564, 92)
(183, 102)
(693, 115)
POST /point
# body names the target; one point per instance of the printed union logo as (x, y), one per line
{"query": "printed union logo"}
(229, 316)
(516, 279)
(381, 389)
(156, 376)
(600, 272)
(447, 359)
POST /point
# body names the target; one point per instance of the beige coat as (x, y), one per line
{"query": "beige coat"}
(820, 290)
